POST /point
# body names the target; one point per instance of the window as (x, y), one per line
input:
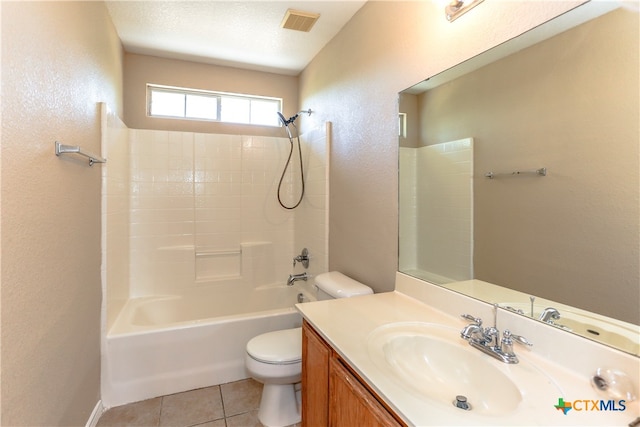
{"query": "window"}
(175, 102)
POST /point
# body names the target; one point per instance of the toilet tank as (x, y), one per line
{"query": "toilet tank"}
(334, 285)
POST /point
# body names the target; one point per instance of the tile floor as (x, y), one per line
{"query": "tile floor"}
(226, 405)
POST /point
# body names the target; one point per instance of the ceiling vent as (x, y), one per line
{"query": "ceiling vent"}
(299, 21)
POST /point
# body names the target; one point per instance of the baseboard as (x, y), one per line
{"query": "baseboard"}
(95, 415)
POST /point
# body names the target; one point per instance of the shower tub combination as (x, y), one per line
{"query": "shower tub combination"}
(168, 344)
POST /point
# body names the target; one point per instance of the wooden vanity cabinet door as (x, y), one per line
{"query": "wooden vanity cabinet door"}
(351, 404)
(315, 379)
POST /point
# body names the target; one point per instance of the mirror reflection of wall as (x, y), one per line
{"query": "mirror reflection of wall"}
(570, 104)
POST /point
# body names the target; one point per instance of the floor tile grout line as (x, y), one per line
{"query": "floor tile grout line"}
(160, 414)
(224, 411)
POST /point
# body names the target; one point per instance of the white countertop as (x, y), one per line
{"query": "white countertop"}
(346, 324)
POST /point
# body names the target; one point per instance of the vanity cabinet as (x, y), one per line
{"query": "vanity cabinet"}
(315, 378)
(332, 394)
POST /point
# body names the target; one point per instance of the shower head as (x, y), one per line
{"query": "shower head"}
(285, 123)
(282, 119)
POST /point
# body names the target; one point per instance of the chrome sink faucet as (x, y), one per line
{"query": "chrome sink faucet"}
(472, 331)
(488, 340)
(295, 277)
(549, 314)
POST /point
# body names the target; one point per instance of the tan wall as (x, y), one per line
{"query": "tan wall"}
(59, 59)
(575, 111)
(140, 70)
(354, 83)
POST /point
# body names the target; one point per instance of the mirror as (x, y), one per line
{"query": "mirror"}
(519, 175)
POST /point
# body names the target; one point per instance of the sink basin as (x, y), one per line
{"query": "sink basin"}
(434, 362)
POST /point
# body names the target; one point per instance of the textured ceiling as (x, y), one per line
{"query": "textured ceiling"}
(243, 34)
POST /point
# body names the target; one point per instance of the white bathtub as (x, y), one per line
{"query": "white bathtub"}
(169, 344)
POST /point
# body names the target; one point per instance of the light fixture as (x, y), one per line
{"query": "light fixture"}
(457, 8)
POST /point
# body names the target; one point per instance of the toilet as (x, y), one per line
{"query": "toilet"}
(275, 358)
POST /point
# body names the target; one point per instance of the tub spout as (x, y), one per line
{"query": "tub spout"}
(295, 277)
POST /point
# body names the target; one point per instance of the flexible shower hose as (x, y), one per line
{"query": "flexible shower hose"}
(284, 171)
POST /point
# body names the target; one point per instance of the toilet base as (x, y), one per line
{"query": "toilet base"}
(278, 405)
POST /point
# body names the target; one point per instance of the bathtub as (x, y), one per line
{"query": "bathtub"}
(168, 344)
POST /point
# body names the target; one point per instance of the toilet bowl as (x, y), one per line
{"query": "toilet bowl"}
(275, 358)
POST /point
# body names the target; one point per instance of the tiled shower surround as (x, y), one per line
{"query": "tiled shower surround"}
(185, 209)
(194, 199)
(198, 199)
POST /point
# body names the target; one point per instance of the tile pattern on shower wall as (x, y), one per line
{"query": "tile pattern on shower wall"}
(311, 221)
(263, 219)
(218, 177)
(162, 214)
(207, 194)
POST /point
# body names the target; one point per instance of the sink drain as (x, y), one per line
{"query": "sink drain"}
(461, 402)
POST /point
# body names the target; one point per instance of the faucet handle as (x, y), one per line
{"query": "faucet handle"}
(476, 320)
(520, 339)
(302, 258)
(507, 337)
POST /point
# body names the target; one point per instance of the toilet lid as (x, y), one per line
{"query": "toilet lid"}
(278, 347)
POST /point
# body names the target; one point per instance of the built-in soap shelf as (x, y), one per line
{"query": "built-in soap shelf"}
(252, 262)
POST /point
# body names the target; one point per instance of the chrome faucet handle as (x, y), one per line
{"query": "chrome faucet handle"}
(515, 310)
(506, 344)
(521, 340)
(302, 258)
(476, 320)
